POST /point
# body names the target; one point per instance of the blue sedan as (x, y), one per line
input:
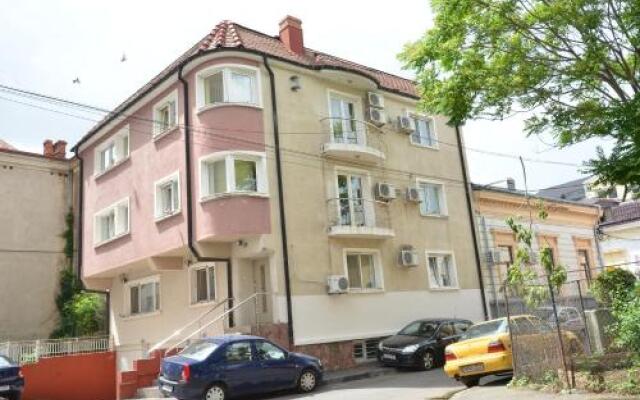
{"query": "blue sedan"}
(223, 366)
(11, 380)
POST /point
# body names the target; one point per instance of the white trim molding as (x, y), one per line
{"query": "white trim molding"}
(229, 157)
(227, 70)
(377, 266)
(175, 201)
(453, 270)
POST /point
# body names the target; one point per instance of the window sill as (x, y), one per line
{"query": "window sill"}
(140, 316)
(444, 289)
(165, 133)
(99, 175)
(113, 239)
(202, 304)
(425, 146)
(167, 216)
(365, 291)
(233, 194)
(435, 216)
(208, 107)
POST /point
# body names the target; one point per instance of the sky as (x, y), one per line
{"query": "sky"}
(45, 45)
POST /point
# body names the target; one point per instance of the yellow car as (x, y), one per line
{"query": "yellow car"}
(485, 348)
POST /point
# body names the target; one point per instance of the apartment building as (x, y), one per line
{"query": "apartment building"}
(37, 192)
(569, 231)
(253, 164)
(620, 232)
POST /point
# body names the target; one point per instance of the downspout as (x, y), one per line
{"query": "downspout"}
(187, 156)
(283, 223)
(472, 221)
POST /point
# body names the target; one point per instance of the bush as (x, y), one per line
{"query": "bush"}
(627, 325)
(613, 284)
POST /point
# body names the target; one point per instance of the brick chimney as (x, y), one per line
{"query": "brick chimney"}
(291, 34)
(60, 149)
(47, 148)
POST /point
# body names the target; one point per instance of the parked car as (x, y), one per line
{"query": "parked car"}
(485, 349)
(421, 343)
(570, 318)
(223, 366)
(11, 379)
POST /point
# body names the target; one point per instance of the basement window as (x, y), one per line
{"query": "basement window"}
(366, 350)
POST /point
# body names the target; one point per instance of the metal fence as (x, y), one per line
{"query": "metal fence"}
(25, 352)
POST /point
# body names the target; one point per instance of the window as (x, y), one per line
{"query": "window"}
(442, 271)
(203, 284)
(167, 196)
(446, 330)
(424, 132)
(432, 201)
(342, 111)
(366, 350)
(268, 351)
(363, 271)
(112, 222)
(233, 173)
(165, 114)
(226, 84)
(585, 264)
(238, 352)
(113, 151)
(143, 296)
(461, 327)
(352, 208)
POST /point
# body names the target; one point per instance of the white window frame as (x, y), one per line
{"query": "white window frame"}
(444, 210)
(230, 157)
(369, 209)
(117, 140)
(227, 69)
(193, 301)
(119, 231)
(431, 122)
(171, 98)
(454, 267)
(357, 115)
(377, 266)
(157, 199)
(155, 279)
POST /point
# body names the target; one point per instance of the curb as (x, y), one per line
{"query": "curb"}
(358, 376)
(448, 395)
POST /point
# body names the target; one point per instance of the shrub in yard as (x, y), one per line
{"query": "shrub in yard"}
(613, 284)
(627, 324)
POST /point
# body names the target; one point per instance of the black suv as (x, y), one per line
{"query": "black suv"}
(421, 343)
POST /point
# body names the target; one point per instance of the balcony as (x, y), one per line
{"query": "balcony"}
(358, 218)
(353, 140)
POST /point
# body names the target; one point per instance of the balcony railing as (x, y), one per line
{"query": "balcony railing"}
(353, 140)
(359, 218)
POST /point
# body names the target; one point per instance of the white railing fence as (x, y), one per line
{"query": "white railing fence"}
(30, 351)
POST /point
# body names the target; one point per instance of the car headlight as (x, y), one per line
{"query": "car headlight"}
(410, 349)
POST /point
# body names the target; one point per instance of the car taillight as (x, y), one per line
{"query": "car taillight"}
(186, 373)
(496, 347)
(449, 356)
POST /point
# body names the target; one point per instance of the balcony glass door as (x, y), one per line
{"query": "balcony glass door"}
(343, 121)
(350, 200)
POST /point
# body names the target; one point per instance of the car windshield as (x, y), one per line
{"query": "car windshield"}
(4, 362)
(199, 351)
(419, 328)
(485, 329)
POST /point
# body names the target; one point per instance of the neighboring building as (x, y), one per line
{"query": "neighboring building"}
(186, 183)
(585, 190)
(36, 191)
(569, 230)
(620, 231)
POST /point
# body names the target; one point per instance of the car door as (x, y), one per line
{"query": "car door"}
(241, 370)
(278, 370)
(445, 336)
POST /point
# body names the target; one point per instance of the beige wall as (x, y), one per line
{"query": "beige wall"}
(35, 195)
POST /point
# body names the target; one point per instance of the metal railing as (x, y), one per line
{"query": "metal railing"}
(30, 351)
(166, 340)
(353, 132)
(358, 212)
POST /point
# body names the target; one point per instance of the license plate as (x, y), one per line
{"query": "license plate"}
(389, 357)
(467, 369)
(167, 388)
(4, 388)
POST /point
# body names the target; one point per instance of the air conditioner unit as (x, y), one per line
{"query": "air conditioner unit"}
(493, 257)
(376, 116)
(405, 124)
(408, 258)
(385, 191)
(375, 100)
(337, 284)
(413, 195)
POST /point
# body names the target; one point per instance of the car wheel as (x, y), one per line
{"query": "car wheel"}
(307, 381)
(215, 392)
(470, 381)
(428, 360)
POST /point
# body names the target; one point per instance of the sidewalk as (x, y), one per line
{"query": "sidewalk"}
(504, 393)
(364, 371)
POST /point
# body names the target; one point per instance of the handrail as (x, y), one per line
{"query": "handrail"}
(179, 331)
(221, 316)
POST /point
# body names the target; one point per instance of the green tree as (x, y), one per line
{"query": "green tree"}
(574, 64)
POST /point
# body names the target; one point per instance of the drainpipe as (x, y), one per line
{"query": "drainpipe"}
(472, 222)
(283, 223)
(189, 185)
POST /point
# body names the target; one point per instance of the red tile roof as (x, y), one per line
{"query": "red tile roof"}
(230, 35)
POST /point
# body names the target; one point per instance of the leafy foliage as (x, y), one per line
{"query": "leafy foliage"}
(574, 64)
(613, 284)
